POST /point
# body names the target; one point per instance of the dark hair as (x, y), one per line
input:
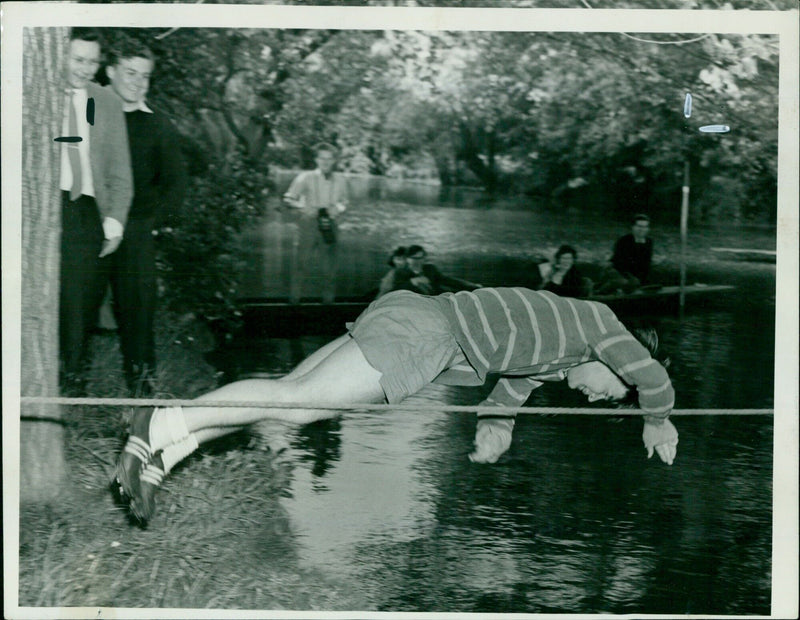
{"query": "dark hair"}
(85, 34)
(639, 217)
(324, 146)
(415, 249)
(566, 249)
(130, 48)
(400, 251)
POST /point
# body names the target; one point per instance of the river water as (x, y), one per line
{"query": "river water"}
(574, 519)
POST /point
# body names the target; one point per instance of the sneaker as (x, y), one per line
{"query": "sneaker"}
(134, 456)
(152, 475)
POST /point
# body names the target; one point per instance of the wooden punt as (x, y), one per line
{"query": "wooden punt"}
(747, 254)
(278, 317)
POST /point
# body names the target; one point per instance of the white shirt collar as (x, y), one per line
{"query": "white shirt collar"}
(140, 106)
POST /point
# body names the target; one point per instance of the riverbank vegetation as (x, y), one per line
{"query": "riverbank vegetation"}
(574, 120)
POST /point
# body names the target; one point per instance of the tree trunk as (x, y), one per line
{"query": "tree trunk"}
(469, 153)
(42, 459)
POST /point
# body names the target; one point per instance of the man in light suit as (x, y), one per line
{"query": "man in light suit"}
(97, 187)
(319, 197)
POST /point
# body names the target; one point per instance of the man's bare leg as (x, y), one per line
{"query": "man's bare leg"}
(313, 360)
(339, 375)
(342, 376)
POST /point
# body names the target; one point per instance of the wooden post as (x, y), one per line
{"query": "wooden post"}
(684, 227)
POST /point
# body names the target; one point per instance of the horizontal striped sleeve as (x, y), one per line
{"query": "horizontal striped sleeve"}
(604, 344)
(629, 369)
(512, 391)
(657, 390)
(631, 361)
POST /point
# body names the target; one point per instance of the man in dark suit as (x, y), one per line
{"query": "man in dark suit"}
(159, 179)
(97, 187)
(630, 263)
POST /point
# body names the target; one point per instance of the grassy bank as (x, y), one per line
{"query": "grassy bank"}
(219, 514)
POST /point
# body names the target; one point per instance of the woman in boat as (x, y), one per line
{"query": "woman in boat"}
(404, 341)
(397, 261)
(563, 277)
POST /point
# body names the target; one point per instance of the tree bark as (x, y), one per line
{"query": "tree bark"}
(42, 459)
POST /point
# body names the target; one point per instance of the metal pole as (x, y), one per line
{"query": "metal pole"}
(684, 226)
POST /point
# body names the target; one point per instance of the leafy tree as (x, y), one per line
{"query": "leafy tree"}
(532, 112)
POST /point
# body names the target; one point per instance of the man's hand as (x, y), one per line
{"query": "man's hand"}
(492, 439)
(663, 438)
(110, 246)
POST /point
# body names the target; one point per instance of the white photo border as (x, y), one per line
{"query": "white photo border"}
(18, 15)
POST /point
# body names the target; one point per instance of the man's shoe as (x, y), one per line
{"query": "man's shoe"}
(133, 458)
(150, 479)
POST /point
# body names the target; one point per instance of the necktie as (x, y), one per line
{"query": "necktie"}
(73, 150)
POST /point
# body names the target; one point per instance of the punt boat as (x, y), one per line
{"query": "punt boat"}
(280, 318)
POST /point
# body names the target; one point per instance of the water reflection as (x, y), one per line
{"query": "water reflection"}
(574, 519)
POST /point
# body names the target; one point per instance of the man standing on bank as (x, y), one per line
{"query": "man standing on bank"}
(159, 179)
(402, 342)
(97, 187)
(320, 197)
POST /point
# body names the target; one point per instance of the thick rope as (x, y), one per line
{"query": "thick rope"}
(365, 407)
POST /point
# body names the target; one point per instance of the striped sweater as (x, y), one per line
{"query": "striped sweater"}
(528, 337)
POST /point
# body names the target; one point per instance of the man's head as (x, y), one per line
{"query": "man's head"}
(415, 256)
(325, 157)
(640, 227)
(398, 257)
(130, 70)
(598, 382)
(83, 57)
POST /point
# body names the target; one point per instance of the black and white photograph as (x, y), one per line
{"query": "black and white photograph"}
(400, 308)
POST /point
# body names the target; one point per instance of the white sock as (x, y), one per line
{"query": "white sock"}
(167, 426)
(176, 452)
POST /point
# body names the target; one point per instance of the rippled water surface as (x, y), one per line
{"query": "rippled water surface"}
(574, 518)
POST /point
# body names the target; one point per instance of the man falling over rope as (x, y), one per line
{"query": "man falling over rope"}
(404, 341)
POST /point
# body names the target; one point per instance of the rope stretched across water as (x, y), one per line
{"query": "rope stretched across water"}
(367, 407)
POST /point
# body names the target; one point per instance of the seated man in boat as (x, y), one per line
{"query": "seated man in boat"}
(425, 278)
(630, 263)
(404, 341)
(397, 262)
(562, 277)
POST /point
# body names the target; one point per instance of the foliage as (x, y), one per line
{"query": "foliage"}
(514, 112)
(199, 254)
